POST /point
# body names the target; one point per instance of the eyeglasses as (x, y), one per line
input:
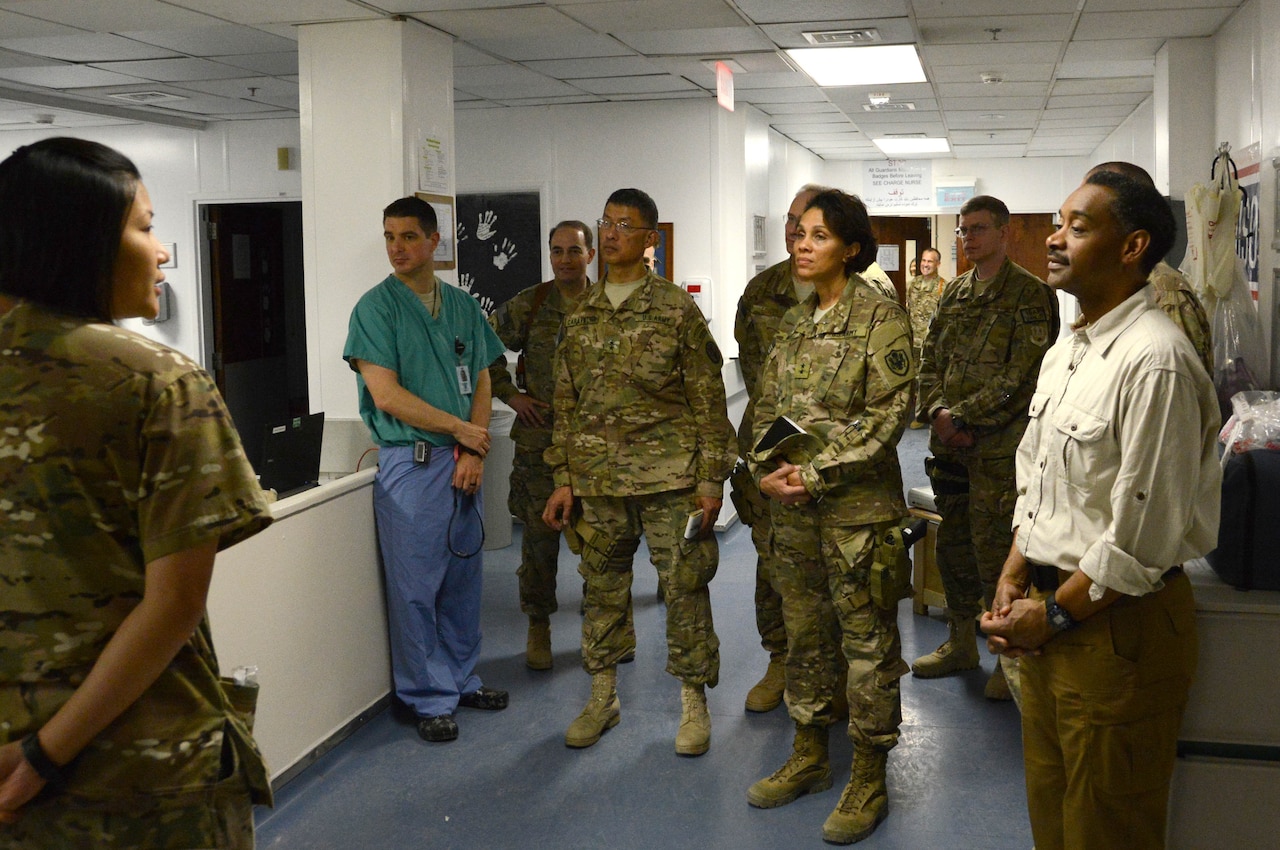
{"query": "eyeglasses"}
(624, 228)
(975, 229)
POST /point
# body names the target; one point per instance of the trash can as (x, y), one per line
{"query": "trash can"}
(497, 477)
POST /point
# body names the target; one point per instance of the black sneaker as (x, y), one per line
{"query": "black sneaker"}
(438, 728)
(486, 699)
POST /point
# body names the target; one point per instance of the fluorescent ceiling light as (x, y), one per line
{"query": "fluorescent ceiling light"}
(860, 66)
(916, 145)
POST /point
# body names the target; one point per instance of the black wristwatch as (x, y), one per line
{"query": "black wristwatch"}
(1059, 618)
(40, 762)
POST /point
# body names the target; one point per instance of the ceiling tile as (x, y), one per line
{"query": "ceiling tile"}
(173, 70)
(267, 90)
(577, 69)
(1182, 23)
(281, 11)
(977, 89)
(65, 76)
(1012, 29)
(530, 22)
(579, 44)
(699, 42)
(987, 151)
(637, 15)
(1025, 52)
(797, 95)
(1130, 99)
(1104, 86)
(22, 26)
(109, 16)
(1011, 74)
(926, 9)
(774, 12)
(635, 85)
(271, 64)
(229, 40)
(87, 47)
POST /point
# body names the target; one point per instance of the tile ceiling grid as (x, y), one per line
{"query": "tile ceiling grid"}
(1072, 70)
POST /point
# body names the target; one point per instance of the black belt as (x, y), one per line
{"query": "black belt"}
(1046, 577)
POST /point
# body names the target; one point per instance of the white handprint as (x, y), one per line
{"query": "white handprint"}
(466, 282)
(484, 227)
(504, 253)
(462, 232)
(486, 303)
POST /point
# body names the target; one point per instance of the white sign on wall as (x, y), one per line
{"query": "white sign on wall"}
(897, 184)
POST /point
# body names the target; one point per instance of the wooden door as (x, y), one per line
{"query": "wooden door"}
(1027, 234)
(899, 230)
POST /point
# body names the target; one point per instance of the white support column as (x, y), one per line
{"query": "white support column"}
(369, 90)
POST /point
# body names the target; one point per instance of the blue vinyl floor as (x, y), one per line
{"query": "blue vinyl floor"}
(955, 778)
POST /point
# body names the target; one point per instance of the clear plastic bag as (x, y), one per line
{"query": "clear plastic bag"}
(1239, 357)
(1254, 423)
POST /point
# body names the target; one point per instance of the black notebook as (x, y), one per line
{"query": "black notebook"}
(781, 428)
(291, 455)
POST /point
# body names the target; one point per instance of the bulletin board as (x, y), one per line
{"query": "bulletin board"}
(499, 245)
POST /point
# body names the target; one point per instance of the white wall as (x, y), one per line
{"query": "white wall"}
(232, 159)
(1133, 141)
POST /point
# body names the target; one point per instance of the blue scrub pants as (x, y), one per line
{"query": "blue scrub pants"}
(433, 596)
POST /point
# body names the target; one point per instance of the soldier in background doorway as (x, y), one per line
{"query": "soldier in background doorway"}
(979, 365)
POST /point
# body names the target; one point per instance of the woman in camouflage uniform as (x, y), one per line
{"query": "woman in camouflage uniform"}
(120, 477)
(842, 368)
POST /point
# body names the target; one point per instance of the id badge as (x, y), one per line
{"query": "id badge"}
(464, 379)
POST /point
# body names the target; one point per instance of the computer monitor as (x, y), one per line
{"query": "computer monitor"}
(291, 455)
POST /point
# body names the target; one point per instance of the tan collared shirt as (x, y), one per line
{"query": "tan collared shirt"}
(1117, 472)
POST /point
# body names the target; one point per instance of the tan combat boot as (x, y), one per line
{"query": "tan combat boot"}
(537, 653)
(807, 771)
(694, 735)
(603, 711)
(864, 803)
(766, 694)
(958, 652)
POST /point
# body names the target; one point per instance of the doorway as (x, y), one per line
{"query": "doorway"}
(907, 236)
(255, 337)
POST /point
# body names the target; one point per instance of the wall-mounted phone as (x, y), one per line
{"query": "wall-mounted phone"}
(165, 297)
(699, 288)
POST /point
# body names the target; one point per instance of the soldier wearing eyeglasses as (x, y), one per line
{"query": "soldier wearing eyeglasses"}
(978, 370)
(642, 444)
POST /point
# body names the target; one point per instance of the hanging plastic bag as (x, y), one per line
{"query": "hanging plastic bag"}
(1239, 356)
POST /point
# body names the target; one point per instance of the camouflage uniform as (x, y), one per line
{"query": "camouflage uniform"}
(981, 358)
(641, 431)
(116, 451)
(922, 301)
(877, 279)
(767, 297)
(1179, 302)
(536, 335)
(846, 380)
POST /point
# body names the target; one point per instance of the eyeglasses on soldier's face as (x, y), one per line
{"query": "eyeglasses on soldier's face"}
(624, 228)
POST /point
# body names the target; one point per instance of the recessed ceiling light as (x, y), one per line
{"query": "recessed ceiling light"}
(860, 66)
(898, 146)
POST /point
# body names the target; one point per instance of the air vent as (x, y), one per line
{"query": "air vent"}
(826, 38)
(146, 98)
(888, 107)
